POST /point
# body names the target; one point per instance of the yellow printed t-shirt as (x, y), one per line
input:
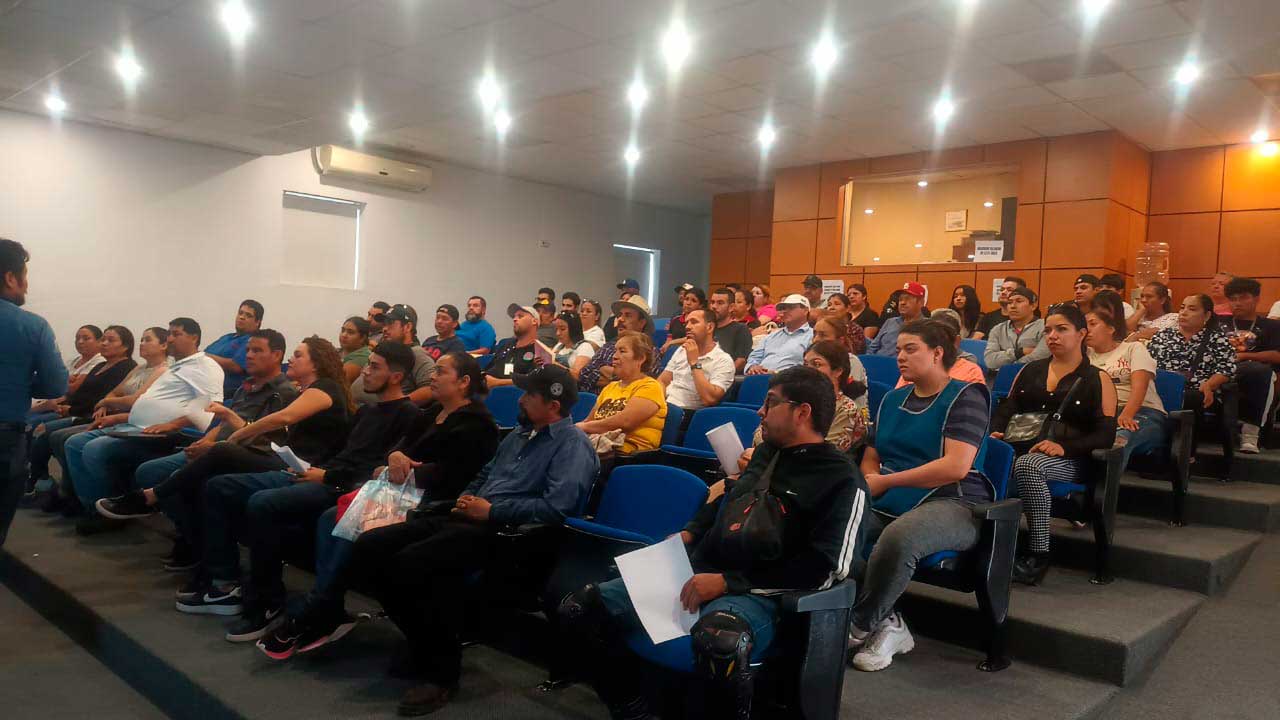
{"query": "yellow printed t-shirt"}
(613, 400)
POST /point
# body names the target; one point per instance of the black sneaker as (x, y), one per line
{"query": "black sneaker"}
(213, 601)
(282, 642)
(328, 631)
(193, 590)
(253, 625)
(125, 507)
(94, 524)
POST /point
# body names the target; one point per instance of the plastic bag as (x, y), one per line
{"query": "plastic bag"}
(379, 502)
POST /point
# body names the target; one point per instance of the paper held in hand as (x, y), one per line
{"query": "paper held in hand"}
(294, 462)
(728, 446)
(654, 577)
(197, 412)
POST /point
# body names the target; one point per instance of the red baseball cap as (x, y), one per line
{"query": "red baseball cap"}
(913, 288)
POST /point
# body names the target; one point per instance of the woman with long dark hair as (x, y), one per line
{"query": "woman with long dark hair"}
(964, 300)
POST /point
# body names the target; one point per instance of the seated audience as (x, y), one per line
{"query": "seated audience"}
(700, 372)
(743, 311)
(694, 298)
(546, 295)
(965, 302)
(965, 368)
(811, 288)
(832, 330)
(890, 309)
(837, 328)
(446, 339)
(1115, 283)
(631, 315)
(626, 289)
(1000, 314)
(849, 424)
(477, 334)
(633, 403)
(820, 501)
(353, 343)
(1198, 350)
(591, 315)
(228, 350)
(376, 317)
(1141, 422)
(762, 302)
(1085, 288)
(860, 310)
(546, 333)
(571, 351)
(94, 459)
(1063, 383)
(838, 306)
(442, 451)
(1020, 339)
(1217, 291)
(417, 568)
(570, 302)
(1153, 314)
(920, 465)
(732, 336)
(784, 347)
(88, 356)
(268, 503)
(680, 291)
(516, 355)
(1256, 340)
(401, 325)
(910, 307)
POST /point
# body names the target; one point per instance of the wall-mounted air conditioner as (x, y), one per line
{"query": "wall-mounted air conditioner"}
(334, 161)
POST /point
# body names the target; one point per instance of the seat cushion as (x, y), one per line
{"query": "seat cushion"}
(675, 654)
(1064, 489)
(936, 559)
(610, 533)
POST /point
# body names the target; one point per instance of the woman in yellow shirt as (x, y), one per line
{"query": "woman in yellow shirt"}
(634, 403)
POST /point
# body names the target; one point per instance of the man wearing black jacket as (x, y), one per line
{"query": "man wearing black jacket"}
(819, 533)
(271, 502)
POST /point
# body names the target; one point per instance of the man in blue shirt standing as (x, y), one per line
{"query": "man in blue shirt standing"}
(229, 350)
(784, 347)
(910, 309)
(477, 335)
(29, 368)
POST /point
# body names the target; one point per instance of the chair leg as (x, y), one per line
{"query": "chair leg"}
(994, 643)
(822, 669)
(1102, 544)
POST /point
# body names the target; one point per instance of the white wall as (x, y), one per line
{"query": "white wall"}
(125, 228)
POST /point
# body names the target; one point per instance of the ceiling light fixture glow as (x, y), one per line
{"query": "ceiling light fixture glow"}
(502, 121)
(236, 19)
(824, 54)
(869, 211)
(1259, 136)
(1269, 149)
(358, 122)
(676, 45)
(1094, 8)
(489, 92)
(1187, 73)
(875, 259)
(127, 67)
(943, 109)
(767, 135)
(55, 104)
(922, 183)
(988, 204)
(919, 245)
(631, 155)
(637, 95)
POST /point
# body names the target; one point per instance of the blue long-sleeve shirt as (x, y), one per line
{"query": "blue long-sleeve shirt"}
(478, 335)
(29, 362)
(886, 341)
(782, 349)
(537, 476)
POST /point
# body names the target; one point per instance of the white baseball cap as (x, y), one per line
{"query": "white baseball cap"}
(792, 299)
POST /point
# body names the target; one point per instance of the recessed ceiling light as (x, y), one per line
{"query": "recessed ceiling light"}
(236, 19)
(1187, 73)
(875, 259)
(919, 245)
(358, 122)
(869, 211)
(631, 155)
(676, 45)
(767, 135)
(970, 256)
(988, 204)
(502, 121)
(923, 183)
(1269, 149)
(55, 104)
(127, 67)
(943, 109)
(489, 92)
(1093, 8)
(637, 94)
(824, 54)
(1259, 136)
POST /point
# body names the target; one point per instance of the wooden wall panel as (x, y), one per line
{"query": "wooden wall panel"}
(955, 157)
(1028, 237)
(827, 256)
(795, 193)
(760, 222)
(1075, 234)
(782, 285)
(1193, 242)
(1116, 243)
(1079, 167)
(1030, 155)
(941, 283)
(1184, 181)
(880, 286)
(793, 247)
(1180, 288)
(1251, 180)
(1251, 243)
(1130, 174)
(833, 175)
(728, 260)
(1058, 285)
(758, 258)
(730, 215)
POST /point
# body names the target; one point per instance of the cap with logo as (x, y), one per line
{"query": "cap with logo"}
(1025, 292)
(629, 284)
(813, 281)
(449, 310)
(684, 287)
(544, 306)
(791, 301)
(401, 312)
(1089, 278)
(514, 308)
(550, 382)
(913, 288)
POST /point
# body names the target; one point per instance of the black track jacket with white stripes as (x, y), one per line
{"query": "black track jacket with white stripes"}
(825, 498)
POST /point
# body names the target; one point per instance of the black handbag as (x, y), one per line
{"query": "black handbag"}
(1041, 425)
(751, 523)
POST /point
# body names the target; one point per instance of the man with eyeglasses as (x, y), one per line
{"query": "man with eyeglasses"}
(377, 318)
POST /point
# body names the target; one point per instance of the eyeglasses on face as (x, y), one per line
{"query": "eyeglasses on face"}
(772, 401)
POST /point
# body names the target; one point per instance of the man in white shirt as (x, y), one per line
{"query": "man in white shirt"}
(784, 347)
(699, 373)
(95, 459)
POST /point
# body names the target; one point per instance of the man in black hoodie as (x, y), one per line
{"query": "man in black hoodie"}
(819, 533)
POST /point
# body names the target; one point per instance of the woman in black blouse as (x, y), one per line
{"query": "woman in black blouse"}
(1064, 380)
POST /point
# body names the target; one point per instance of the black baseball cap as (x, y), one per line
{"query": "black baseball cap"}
(630, 283)
(813, 281)
(1025, 292)
(550, 382)
(403, 313)
(1115, 280)
(683, 287)
(544, 305)
(1087, 278)
(449, 310)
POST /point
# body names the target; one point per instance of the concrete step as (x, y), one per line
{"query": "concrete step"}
(1240, 505)
(1114, 633)
(1198, 558)
(1261, 468)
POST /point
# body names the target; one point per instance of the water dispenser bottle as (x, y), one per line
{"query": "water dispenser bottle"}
(1152, 265)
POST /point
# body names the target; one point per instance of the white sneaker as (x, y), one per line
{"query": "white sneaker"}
(891, 638)
(857, 637)
(1249, 439)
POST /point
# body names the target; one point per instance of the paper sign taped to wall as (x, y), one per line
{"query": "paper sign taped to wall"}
(831, 287)
(988, 251)
(996, 287)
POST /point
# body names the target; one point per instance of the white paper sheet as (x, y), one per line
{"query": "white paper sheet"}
(654, 577)
(197, 412)
(728, 446)
(294, 462)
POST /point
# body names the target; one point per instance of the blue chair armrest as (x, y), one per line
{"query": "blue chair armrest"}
(1009, 510)
(689, 452)
(838, 597)
(604, 531)
(746, 406)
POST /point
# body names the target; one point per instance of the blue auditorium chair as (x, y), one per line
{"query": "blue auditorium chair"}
(1174, 459)
(582, 409)
(977, 348)
(1094, 503)
(751, 392)
(692, 452)
(504, 402)
(875, 395)
(484, 360)
(666, 358)
(881, 369)
(1004, 383)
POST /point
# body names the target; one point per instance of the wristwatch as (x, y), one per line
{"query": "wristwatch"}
(696, 366)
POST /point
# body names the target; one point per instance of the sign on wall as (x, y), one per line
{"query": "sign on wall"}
(995, 289)
(831, 287)
(988, 251)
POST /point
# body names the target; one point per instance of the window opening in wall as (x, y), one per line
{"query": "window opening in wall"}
(641, 263)
(321, 241)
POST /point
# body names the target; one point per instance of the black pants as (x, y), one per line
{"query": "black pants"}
(13, 475)
(1257, 391)
(417, 570)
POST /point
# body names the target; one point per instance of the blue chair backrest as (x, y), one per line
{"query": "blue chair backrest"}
(582, 409)
(659, 337)
(484, 360)
(875, 394)
(978, 348)
(881, 368)
(671, 429)
(744, 421)
(752, 390)
(666, 357)
(661, 323)
(1170, 386)
(998, 465)
(504, 402)
(653, 500)
(1005, 378)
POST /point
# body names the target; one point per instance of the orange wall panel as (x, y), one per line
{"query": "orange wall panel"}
(730, 215)
(827, 257)
(1130, 174)
(758, 251)
(1116, 243)
(880, 286)
(897, 163)
(955, 157)
(1251, 180)
(782, 285)
(941, 283)
(1193, 242)
(795, 193)
(1251, 243)
(1137, 238)
(1058, 285)
(793, 247)
(728, 260)
(1185, 181)
(1075, 234)
(1180, 288)
(1030, 156)
(761, 213)
(833, 175)
(1079, 167)
(1028, 236)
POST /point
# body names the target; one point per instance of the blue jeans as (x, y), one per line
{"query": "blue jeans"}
(269, 518)
(41, 449)
(100, 465)
(226, 497)
(760, 613)
(35, 418)
(1152, 433)
(332, 556)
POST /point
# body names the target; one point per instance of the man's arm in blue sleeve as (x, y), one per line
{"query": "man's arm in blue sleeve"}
(569, 475)
(50, 379)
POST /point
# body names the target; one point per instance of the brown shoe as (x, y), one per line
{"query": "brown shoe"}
(424, 700)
